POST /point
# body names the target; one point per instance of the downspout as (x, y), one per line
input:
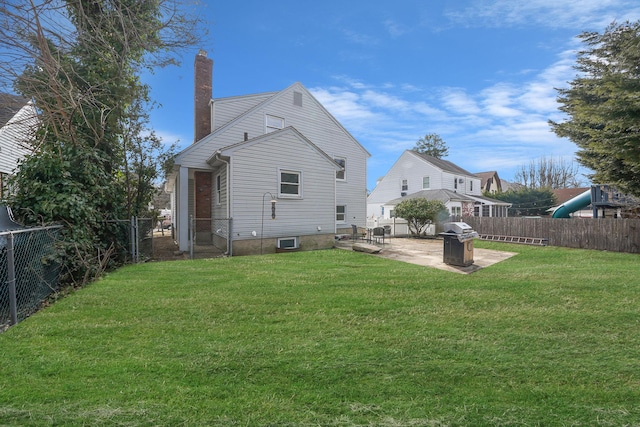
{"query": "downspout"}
(230, 231)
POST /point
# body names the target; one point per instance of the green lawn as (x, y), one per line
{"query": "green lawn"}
(335, 338)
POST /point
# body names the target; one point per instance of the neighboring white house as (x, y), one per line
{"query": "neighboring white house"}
(17, 117)
(282, 146)
(419, 175)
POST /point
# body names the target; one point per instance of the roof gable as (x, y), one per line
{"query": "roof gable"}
(229, 150)
(297, 86)
(10, 105)
(441, 164)
(442, 194)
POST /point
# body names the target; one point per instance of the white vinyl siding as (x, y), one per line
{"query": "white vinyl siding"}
(226, 109)
(314, 123)
(13, 138)
(256, 170)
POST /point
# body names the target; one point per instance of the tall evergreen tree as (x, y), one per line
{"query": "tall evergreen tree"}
(603, 106)
(433, 145)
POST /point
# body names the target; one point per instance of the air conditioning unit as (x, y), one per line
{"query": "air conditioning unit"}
(403, 194)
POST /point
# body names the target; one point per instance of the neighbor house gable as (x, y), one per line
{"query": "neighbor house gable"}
(17, 120)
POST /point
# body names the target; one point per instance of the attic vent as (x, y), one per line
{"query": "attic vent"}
(297, 99)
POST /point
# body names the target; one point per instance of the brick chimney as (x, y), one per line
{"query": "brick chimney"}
(203, 79)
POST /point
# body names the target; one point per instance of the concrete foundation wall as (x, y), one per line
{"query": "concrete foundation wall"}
(268, 245)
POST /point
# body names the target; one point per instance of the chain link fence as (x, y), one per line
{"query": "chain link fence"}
(138, 233)
(28, 273)
(209, 237)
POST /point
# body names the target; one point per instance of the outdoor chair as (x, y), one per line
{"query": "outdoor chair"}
(378, 235)
(355, 234)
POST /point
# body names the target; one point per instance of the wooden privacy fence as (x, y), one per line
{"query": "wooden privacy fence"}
(606, 234)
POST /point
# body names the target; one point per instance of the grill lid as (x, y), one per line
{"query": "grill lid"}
(457, 227)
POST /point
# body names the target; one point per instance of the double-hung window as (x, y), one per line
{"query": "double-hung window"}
(290, 183)
(273, 123)
(404, 185)
(425, 183)
(341, 213)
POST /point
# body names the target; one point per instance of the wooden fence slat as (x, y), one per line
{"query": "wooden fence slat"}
(607, 234)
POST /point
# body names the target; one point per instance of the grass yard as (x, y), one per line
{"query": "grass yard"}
(550, 337)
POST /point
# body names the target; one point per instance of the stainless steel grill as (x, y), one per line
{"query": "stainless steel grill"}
(458, 243)
(462, 230)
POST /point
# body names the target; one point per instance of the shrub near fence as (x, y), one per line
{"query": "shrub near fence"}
(605, 234)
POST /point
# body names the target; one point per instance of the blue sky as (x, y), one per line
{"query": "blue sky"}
(481, 74)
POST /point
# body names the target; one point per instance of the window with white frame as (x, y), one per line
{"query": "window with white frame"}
(341, 213)
(341, 175)
(288, 242)
(273, 123)
(218, 189)
(290, 183)
(425, 183)
(456, 211)
(470, 185)
(404, 185)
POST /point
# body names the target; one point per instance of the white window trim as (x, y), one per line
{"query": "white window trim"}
(403, 186)
(429, 186)
(344, 220)
(344, 171)
(296, 242)
(270, 128)
(300, 184)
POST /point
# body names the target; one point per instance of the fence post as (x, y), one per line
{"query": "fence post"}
(11, 281)
(137, 239)
(132, 239)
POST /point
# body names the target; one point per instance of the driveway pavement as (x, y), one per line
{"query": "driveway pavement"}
(428, 252)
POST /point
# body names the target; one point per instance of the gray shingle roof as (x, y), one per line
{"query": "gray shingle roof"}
(445, 165)
(9, 106)
(443, 195)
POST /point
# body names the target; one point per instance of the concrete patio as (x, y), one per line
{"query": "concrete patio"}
(429, 253)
